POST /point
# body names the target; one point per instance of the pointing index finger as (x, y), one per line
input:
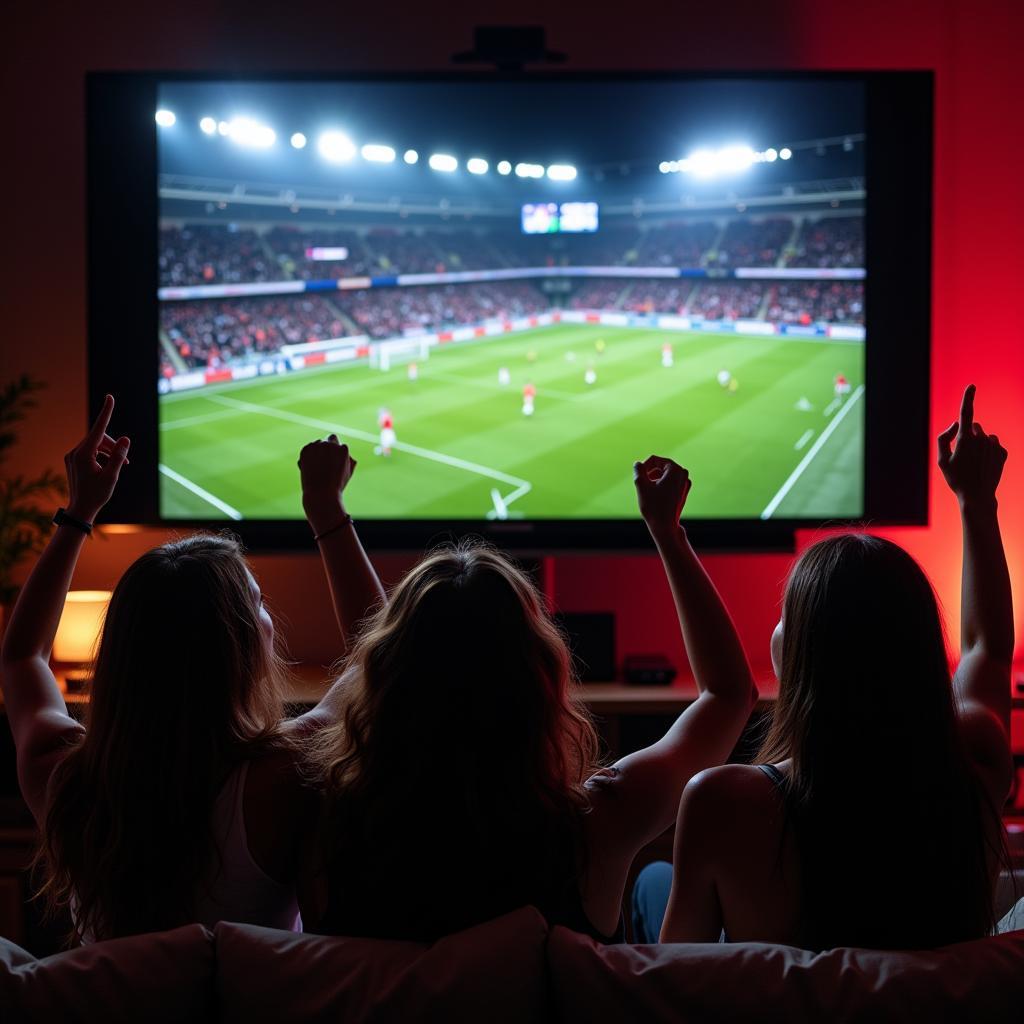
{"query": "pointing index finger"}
(99, 427)
(967, 411)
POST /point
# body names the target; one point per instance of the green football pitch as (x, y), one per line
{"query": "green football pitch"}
(779, 444)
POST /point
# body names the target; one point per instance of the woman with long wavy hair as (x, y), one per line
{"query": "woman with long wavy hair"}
(872, 815)
(179, 799)
(461, 774)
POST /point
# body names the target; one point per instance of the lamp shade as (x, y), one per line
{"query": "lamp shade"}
(80, 625)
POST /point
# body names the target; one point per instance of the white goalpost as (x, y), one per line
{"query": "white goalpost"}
(398, 352)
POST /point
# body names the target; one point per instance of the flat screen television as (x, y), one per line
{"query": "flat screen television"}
(502, 290)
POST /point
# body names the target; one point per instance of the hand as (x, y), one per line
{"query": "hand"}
(661, 489)
(90, 481)
(326, 468)
(973, 467)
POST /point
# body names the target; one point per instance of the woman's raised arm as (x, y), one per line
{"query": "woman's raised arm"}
(706, 732)
(326, 467)
(972, 468)
(35, 706)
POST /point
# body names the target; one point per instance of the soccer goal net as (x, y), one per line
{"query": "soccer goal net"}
(385, 354)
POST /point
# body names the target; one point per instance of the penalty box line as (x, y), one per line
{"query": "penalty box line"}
(200, 492)
(814, 449)
(521, 486)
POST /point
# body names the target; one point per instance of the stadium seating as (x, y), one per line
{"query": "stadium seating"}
(829, 242)
(216, 254)
(212, 254)
(211, 332)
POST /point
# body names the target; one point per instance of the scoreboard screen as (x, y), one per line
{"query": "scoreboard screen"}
(551, 218)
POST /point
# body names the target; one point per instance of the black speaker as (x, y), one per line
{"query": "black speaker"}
(648, 670)
(592, 642)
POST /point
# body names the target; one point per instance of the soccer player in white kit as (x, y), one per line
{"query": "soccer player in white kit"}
(504, 377)
(529, 393)
(386, 422)
(413, 372)
(666, 354)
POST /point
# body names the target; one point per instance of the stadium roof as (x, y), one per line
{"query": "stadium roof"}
(611, 131)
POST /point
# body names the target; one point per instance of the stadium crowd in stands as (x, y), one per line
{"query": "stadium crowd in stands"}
(217, 254)
(214, 254)
(210, 333)
(748, 243)
(809, 301)
(829, 242)
(383, 313)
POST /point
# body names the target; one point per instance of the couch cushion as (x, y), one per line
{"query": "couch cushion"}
(972, 981)
(167, 976)
(494, 973)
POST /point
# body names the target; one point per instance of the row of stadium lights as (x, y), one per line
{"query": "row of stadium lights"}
(706, 163)
(336, 147)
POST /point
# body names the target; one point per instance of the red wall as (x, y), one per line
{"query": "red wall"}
(979, 221)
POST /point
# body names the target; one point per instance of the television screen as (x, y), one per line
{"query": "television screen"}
(419, 266)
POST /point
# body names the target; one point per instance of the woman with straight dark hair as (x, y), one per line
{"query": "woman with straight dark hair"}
(462, 777)
(179, 800)
(872, 815)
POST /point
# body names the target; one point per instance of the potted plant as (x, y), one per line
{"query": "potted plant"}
(26, 502)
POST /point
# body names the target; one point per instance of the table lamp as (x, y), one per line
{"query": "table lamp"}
(77, 632)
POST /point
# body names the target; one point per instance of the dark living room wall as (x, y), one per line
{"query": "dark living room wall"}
(979, 222)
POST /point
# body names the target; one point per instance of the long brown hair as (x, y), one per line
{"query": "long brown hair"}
(184, 687)
(894, 830)
(455, 771)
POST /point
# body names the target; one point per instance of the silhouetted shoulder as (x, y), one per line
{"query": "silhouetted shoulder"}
(733, 782)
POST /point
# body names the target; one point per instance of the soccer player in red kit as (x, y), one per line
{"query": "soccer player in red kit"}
(529, 393)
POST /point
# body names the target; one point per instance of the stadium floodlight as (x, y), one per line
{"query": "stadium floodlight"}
(298, 140)
(703, 163)
(785, 153)
(770, 156)
(733, 159)
(411, 156)
(165, 118)
(208, 126)
(562, 172)
(529, 171)
(443, 162)
(223, 128)
(336, 147)
(475, 165)
(247, 132)
(504, 167)
(378, 154)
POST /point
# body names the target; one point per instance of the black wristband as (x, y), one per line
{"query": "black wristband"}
(345, 520)
(64, 518)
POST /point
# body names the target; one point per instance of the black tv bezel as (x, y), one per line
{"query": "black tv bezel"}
(122, 217)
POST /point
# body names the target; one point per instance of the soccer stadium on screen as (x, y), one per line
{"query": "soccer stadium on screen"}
(501, 297)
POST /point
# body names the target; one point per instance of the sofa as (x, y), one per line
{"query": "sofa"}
(512, 969)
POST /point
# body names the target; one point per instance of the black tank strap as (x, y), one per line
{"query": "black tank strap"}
(775, 775)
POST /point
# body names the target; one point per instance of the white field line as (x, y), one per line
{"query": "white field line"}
(223, 506)
(814, 449)
(833, 405)
(804, 438)
(542, 392)
(521, 486)
(192, 421)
